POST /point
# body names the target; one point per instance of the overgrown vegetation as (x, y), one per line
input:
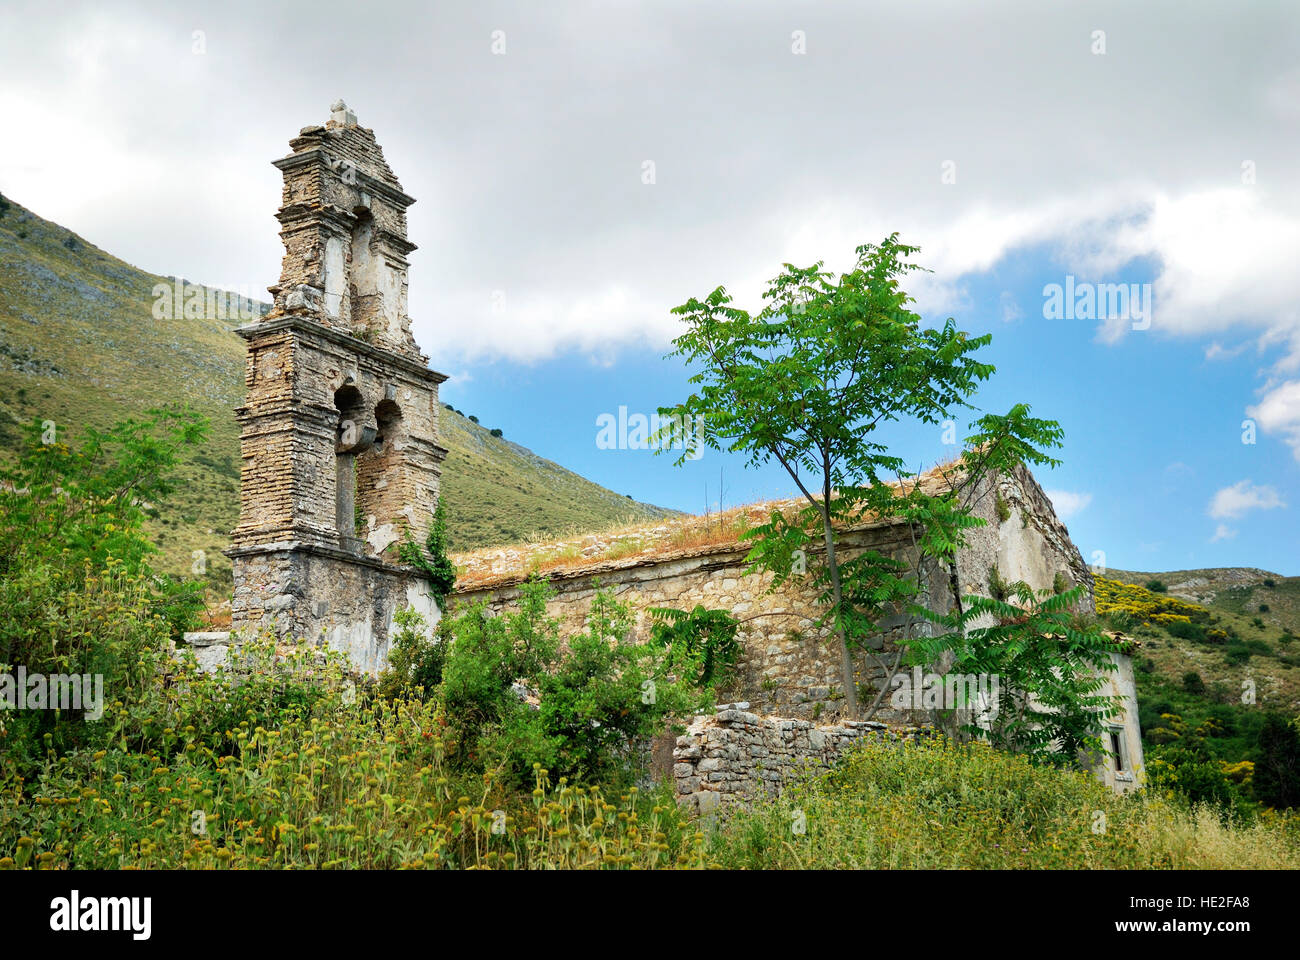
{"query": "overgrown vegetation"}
(512, 692)
(432, 562)
(501, 743)
(274, 764)
(703, 645)
(1050, 668)
(77, 592)
(941, 806)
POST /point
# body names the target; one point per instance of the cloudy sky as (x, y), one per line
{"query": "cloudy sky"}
(582, 167)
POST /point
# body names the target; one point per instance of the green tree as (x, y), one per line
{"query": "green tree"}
(1277, 771)
(807, 381)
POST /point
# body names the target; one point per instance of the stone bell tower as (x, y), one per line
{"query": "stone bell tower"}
(339, 427)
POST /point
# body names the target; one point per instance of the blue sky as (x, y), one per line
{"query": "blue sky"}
(582, 168)
(1153, 427)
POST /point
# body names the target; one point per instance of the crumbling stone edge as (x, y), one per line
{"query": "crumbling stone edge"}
(734, 756)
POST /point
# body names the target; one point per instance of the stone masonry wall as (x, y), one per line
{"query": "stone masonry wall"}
(789, 666)
(737, 755)
(328, 598)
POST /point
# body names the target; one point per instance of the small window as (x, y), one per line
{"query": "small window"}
(1119, 753)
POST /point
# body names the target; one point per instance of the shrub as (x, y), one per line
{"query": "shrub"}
(415, 661)
(496, 432)
(600, 695)
(702, 645)
(1051, 698)
(1185, 630)
(1191, 776)
(1237, 654)
(999, 589)
(77, 594)
(1277, 771)
(1193, 683)
(1156, 586)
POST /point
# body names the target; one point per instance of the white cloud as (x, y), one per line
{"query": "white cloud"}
(1278, 411)
(1242, 496)
(1068, 503)
(1217, 351)
(1222, 532)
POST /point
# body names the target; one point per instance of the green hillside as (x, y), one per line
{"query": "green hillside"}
(1218, 652)
(79, 345)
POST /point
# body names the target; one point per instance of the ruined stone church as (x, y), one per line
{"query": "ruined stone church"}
(340, 461)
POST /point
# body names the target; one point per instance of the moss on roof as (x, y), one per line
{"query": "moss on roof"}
(638, 544)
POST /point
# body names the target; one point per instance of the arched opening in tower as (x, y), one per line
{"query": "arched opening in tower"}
(353, 438)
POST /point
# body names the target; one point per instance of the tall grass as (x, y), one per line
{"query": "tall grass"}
(935, 805)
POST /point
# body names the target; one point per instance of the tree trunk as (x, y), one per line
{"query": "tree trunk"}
(837, 595)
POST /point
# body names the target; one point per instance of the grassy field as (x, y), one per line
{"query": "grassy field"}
(79, 345)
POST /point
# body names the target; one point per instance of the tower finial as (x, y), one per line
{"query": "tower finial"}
(340, 114)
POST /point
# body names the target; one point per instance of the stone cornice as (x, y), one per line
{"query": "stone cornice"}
(319, 550)
(317, 155)
(707, 558)
(301, 324)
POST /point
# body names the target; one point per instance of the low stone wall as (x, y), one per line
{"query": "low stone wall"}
(211, 647)
(736, 755)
